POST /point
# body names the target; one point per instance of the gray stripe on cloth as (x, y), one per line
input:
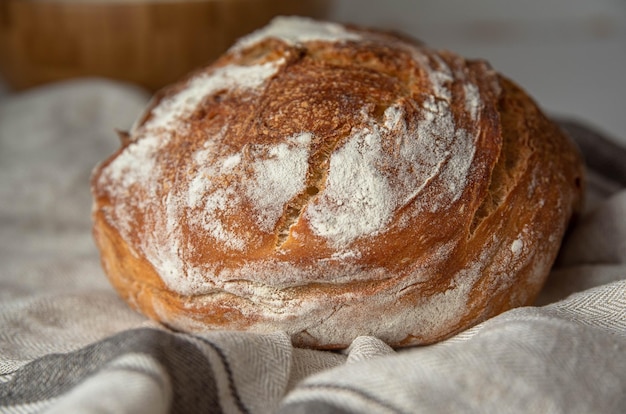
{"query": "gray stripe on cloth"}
(194, 384)
(229, 374)
(602, 154)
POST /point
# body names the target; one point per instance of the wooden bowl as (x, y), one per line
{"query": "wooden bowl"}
(148, 42)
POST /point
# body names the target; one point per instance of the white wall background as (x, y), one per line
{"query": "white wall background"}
(569, 54)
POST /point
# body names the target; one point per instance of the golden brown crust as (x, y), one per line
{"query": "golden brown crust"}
(335, 183)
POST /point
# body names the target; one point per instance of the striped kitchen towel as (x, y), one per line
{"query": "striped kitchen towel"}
(69, 344)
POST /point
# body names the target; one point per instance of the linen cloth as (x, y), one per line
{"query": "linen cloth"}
(69, 344)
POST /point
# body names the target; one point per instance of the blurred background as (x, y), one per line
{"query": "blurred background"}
(569, 54)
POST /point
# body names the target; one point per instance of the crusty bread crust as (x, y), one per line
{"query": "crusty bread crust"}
(332, 182)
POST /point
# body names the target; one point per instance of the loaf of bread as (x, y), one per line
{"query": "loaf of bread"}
(332, 181)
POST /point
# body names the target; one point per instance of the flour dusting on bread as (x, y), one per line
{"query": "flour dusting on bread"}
(297, 30)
